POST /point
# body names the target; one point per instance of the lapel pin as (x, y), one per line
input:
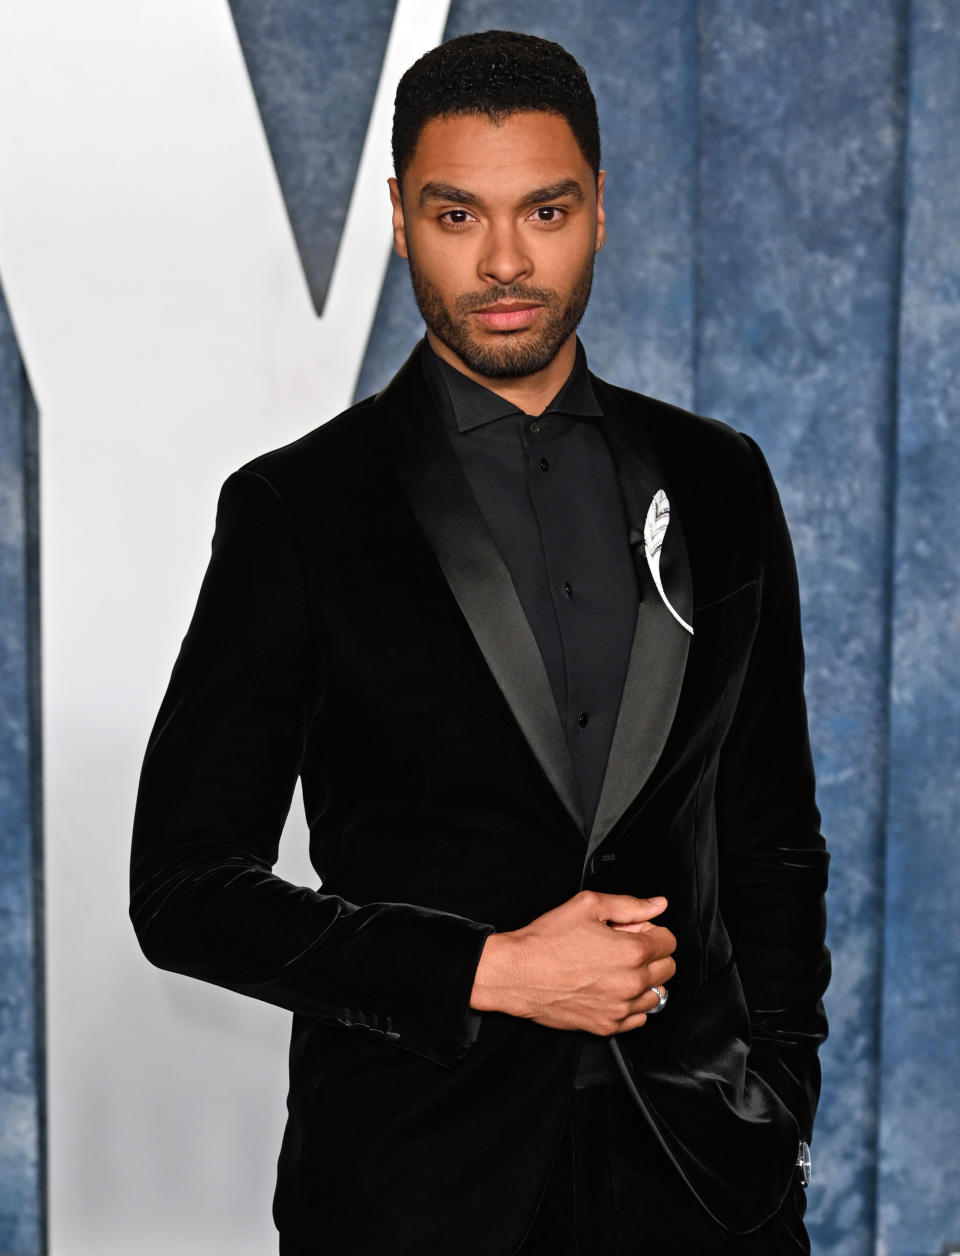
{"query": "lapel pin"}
(654, 534)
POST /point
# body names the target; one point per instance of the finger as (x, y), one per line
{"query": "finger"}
(657, 942)
(634, 926)
(633, 1021)
(660, 971)
(624, 909)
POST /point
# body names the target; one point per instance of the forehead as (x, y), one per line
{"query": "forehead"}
(525, 149)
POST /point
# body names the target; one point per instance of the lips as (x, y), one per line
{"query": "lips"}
(508, 317)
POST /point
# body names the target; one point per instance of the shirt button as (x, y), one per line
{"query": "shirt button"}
(537, 426)
(583, 719)
(566, 589)
(544, 464)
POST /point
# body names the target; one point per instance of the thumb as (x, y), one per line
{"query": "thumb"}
(624, 909)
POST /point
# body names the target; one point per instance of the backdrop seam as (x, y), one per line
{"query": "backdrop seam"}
(30, 419)
(905, 17)
(696, 264)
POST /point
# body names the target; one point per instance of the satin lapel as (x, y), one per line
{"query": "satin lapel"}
(447, 513)
(659, 654)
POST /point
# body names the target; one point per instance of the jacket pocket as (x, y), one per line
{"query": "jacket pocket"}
(715, 616)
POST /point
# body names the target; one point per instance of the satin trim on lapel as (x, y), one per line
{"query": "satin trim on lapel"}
(658, 657)
(447, 513)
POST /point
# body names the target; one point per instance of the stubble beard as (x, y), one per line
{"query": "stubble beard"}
(507, 354)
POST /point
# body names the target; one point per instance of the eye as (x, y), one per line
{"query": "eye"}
(548, 214)
(457, 217)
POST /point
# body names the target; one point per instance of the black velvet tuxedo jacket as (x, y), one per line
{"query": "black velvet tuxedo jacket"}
(357, 627)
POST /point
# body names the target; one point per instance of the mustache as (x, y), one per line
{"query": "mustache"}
(468, 302)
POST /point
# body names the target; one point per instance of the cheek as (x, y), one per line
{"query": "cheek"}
(444, 268)
(562, 265)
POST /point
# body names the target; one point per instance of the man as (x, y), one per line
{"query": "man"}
(532, 644)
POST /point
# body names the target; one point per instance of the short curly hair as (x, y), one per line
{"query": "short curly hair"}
(496, 73)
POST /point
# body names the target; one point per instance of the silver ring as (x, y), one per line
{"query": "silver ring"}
(662, 996)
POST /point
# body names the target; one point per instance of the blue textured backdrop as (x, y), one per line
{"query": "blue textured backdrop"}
(784, 219)
(21, 1088)
(314, 70)
(798, 246)
(919, 1184)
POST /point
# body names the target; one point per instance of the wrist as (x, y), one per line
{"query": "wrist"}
(494, 972)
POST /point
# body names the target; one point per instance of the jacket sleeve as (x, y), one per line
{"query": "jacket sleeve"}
(217, 781)
(773, 862)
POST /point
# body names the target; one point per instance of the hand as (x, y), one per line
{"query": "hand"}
(587, 964)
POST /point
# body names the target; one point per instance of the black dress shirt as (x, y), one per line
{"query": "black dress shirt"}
(548, 491)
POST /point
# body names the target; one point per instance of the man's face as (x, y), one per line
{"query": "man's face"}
(500, 225)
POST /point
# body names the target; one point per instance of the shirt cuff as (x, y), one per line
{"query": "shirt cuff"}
(468, 1031)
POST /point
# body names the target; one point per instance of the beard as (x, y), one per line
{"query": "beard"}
(504, 354)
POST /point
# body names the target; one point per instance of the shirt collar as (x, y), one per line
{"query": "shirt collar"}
(466, 405)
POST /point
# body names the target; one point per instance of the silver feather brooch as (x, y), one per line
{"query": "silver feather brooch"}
(654, 533)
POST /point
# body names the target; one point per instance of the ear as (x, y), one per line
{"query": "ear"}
(601, 213)
(399, 227)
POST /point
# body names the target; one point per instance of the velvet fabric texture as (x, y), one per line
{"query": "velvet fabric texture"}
(357, 627)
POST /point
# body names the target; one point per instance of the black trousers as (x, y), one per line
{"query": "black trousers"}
(613, 1192)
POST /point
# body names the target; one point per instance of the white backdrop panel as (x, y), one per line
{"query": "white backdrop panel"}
(166, 325)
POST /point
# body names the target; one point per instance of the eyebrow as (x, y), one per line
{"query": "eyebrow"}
(434, 191)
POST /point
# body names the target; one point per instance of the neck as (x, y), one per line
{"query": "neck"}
(529, 393)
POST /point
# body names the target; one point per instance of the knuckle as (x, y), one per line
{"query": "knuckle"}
(629, 989)
(589, 898)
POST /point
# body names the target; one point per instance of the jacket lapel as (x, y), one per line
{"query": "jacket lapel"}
(444, 507)
(447, 513)
(659, 654)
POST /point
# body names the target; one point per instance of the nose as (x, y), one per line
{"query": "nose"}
(504, 259)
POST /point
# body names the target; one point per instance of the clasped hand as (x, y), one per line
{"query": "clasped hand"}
(588, 964)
